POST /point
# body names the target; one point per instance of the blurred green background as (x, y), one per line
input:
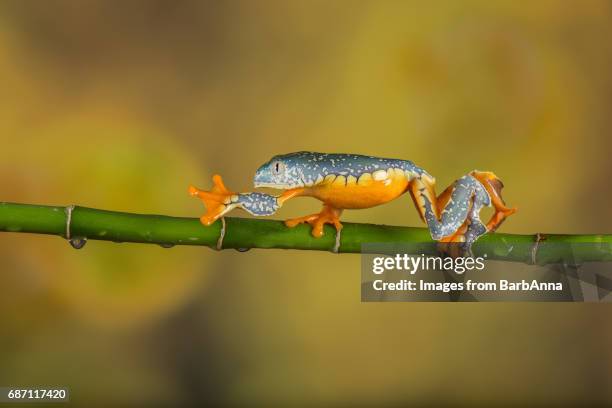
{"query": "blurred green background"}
(122, 105)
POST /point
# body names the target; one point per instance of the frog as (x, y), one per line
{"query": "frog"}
(344, 181)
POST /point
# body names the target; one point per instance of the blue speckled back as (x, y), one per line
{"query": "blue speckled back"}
(344, 164)
(307, 168)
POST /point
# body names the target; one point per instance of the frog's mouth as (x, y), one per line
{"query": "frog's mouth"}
(277, 186)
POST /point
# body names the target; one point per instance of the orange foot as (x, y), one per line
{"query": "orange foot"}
(494, 186)
(218, 200)
(328, 215)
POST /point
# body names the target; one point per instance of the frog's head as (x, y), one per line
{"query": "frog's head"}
(280, 172)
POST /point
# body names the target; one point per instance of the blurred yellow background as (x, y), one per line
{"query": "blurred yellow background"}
(122, 105)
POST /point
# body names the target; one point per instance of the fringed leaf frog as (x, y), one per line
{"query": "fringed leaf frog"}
(348, 181)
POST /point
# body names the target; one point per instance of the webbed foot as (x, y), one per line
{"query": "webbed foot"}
(328, 215)
(217, 201)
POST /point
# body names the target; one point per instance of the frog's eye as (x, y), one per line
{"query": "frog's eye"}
(278, 167)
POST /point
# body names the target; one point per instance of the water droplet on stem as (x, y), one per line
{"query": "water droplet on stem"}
(78, 242)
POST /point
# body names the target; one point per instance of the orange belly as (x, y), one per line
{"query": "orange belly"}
(367, 191)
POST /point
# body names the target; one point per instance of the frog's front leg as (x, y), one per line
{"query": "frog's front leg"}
(219, 201)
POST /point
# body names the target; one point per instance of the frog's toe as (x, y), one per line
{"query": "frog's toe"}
(319, 224)
(208, 218)
(293, 222)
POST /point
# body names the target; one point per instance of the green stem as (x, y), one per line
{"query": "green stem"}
(243, 233)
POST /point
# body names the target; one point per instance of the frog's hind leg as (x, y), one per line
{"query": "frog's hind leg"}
(328, 215)
(446, 214)
(453, 216)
